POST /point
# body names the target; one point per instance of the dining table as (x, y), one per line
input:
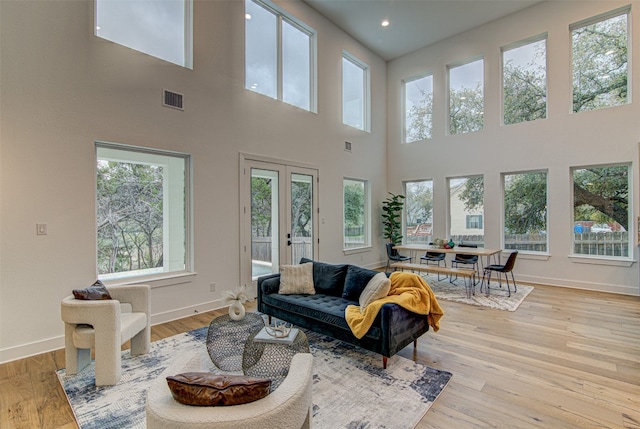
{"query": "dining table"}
(416, 248)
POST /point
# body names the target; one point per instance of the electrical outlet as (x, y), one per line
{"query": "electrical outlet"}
(212, 287)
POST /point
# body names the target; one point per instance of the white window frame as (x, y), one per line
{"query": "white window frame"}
(187, 61)
(625, 10)
(503, 217)
(177, 218)
(367, 216)
(366, 93)
(282, 16)
(404, 105)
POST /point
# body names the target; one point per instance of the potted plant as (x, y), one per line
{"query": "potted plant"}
(392, 218)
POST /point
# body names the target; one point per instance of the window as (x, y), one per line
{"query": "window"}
(356, 213)
(600, 61)
(418, 108)
(466, 97)
(279, 55)
(474, 221)
(601, 210)
(160, 28)
(525, 211)
(466, 210)
(355, 92)
(524, 82)
(142, 211)
(418, 209)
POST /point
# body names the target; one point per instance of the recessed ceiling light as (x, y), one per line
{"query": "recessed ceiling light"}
(385, 23)
(247, 16)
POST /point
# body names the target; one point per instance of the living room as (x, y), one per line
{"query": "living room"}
(63, 90)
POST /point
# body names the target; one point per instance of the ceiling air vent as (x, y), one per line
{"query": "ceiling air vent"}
(172, 99)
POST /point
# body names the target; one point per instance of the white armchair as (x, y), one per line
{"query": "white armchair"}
(105, 325)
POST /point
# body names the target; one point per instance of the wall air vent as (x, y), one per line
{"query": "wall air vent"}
(172, 99)
(347, 146)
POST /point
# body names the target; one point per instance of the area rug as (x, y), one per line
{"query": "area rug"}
(350, 390)
(498, 297)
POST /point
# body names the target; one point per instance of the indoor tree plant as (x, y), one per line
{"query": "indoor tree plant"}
(392, 218)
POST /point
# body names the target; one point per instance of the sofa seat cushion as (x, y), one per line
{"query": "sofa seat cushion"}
(322, 308)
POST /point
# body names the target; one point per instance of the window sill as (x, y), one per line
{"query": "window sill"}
(155, 280)
(356, 250)
(601, 260)
(529, 255)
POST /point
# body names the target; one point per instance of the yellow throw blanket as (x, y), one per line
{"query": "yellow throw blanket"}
(409, 291)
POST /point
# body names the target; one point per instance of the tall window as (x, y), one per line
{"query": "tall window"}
(466, 97)
(525, 211)
(142, 211)
(161, 28)
(601, 210)
(356, 213)
(466, 210)
(600, 61)
(418, 108)
(355, 92)
(279, 55)
(418, 211)
(524, 80)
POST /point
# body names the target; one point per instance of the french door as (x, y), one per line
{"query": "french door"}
(279, 211)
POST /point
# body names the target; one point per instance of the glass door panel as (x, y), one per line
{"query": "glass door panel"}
(300, 238)
(265, 225)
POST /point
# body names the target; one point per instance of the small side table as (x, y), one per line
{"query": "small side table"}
(271, 360)
(226, 339)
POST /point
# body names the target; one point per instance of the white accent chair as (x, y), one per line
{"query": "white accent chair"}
(104, 325)
(288, 407)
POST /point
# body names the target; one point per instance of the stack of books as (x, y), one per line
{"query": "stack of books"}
(264, 337)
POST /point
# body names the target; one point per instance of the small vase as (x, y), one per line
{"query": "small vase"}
(236, 310)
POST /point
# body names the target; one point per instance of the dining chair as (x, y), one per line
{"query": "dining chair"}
(501, 269)
(434, 257)
(461, 258)
(393, 255)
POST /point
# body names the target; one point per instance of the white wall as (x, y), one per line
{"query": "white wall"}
(557, 143)
(62, 89)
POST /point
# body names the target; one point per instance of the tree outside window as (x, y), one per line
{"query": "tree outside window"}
(466, 210)
(525, 211)
(141, 211)
(418, 108)
(418, 209)
(600, 62)
(524, 78)
(601, 210)
(466, 97)
(355, 213)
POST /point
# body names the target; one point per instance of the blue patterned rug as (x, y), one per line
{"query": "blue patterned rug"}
(351, 390)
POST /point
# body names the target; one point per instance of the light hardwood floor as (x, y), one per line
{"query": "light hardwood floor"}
(565, 359)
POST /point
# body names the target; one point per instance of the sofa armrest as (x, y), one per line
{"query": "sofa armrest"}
(269, 284)
(400, 327)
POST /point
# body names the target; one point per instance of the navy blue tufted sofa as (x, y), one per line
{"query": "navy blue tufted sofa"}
(336, 287)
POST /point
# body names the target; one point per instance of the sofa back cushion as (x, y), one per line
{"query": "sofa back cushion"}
(328, 279)
(356, 280)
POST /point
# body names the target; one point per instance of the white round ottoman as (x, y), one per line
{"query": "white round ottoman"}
(288, 407)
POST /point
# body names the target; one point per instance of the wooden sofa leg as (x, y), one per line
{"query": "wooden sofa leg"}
(415, 344)
(384, 362)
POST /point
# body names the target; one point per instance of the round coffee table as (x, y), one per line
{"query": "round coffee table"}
(226, 339)
(271, 360)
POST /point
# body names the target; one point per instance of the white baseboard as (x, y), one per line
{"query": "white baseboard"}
(51, 344)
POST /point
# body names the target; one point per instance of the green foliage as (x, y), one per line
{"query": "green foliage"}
(600, 64)
(392, 218)
(261, 207)
(419, 119)
(419, 202)
(466, 110)
(602, 194)
(525, 203)
(525, 92)
(301, 193)
(129, 216)
(354, 205)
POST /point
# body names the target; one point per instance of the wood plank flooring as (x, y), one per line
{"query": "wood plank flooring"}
(565, 359)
